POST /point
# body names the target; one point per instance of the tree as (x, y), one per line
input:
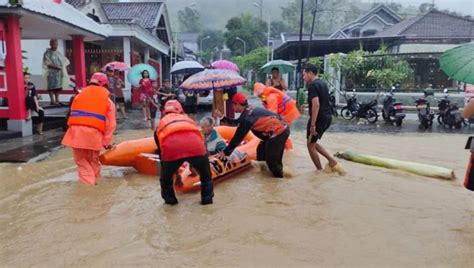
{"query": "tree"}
(189, 20)
(425, 7)
(247, 27)
(252, 61)
(278, 27)
(208, 49)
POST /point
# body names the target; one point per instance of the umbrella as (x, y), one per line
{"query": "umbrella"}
(117, 65)
(212, 79)
(135, 74)
(225, 65)
(282, 65)
(186, 67)
(458, 63)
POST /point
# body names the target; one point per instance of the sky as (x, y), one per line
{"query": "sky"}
(465, 7)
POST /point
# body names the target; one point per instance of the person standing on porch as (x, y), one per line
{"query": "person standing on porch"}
(55, 72)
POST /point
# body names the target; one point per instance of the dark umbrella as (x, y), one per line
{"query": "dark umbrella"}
(186, 67)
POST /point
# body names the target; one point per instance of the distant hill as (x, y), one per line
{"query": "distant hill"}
(216, 13)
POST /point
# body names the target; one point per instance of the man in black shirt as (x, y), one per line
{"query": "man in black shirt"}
(166, 93)
(320, 118)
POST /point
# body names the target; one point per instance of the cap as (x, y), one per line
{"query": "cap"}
(239, 98)
(99, 79)
(109, 68)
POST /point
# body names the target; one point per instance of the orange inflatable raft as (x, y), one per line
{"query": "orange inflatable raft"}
(140, 154)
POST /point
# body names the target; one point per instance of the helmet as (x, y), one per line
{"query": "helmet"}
(173, 106)
(258, 89)
(99, 79)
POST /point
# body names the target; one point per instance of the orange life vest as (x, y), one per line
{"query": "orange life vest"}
(89, 108)
(284, 104)
(179, 137)
(173, 123)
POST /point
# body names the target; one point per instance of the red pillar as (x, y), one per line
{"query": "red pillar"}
(14, 69)
(78, 54)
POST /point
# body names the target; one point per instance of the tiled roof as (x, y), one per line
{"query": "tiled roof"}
(145, 13)
(433, 24)
(76, 3)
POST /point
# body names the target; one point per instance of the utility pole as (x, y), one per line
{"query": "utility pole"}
(312, 30)
(300, 47)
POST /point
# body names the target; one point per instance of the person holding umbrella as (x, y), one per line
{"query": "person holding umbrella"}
(267, 126)
(276, 81)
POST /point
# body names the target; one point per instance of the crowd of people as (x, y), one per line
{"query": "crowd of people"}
(92, 122)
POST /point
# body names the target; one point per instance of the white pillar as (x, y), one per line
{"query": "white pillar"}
(127, 60)
(161, 67)
(147, 55)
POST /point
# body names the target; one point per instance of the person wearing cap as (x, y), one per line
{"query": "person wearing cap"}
(277, 101)
(174, 129)
(91, 124)
(270, 127)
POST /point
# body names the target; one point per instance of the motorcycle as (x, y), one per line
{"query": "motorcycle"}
(449, 114)
(348, 111)
(354, 109)
(332, 102)
(425, 116)
(392, 111)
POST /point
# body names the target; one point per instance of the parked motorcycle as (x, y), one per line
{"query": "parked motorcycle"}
(348, 111)
(392, 111)
(425, 115)
(354, 109)
(332, 102)
(449, 114)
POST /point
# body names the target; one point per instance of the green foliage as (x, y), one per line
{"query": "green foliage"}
(376, 70)
(278, 27)
(253, 61)
(189, 20)
(248, 28)
(209, 45)
(302, 97)
(316, 61)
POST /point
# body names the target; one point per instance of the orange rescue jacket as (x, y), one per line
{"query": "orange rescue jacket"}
(89, 108)
(278, 102)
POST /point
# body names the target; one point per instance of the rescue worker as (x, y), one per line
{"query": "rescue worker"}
(267, 126)
(91, 124)
(174, 129)
(277, 101)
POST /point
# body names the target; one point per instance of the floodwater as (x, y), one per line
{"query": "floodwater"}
(370, 217)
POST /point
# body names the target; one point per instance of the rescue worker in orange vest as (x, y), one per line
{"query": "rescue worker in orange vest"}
(91, 125)
(269, 127)
(179, 140)
(277, 101)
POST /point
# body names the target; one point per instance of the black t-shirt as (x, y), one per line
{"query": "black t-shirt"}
(164, 99)
(191, 98)
(30, 90)
(319, 89)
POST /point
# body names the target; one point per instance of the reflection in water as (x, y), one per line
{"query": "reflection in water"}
(370, 217)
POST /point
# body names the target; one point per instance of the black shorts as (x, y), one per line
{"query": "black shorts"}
(120, 100)
(153, 110)
(322, 124)
(190, 109)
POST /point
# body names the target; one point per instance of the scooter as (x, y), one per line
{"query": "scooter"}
(425, 116)
(392, 111)
(449, 114)
(332, 102)
(348, 112)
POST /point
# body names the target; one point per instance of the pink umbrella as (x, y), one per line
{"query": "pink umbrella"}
(225, 65)
(117, 65)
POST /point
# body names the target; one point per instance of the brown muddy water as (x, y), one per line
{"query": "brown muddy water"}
(370, 217)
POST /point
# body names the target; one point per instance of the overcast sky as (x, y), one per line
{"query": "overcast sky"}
(465, 7)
